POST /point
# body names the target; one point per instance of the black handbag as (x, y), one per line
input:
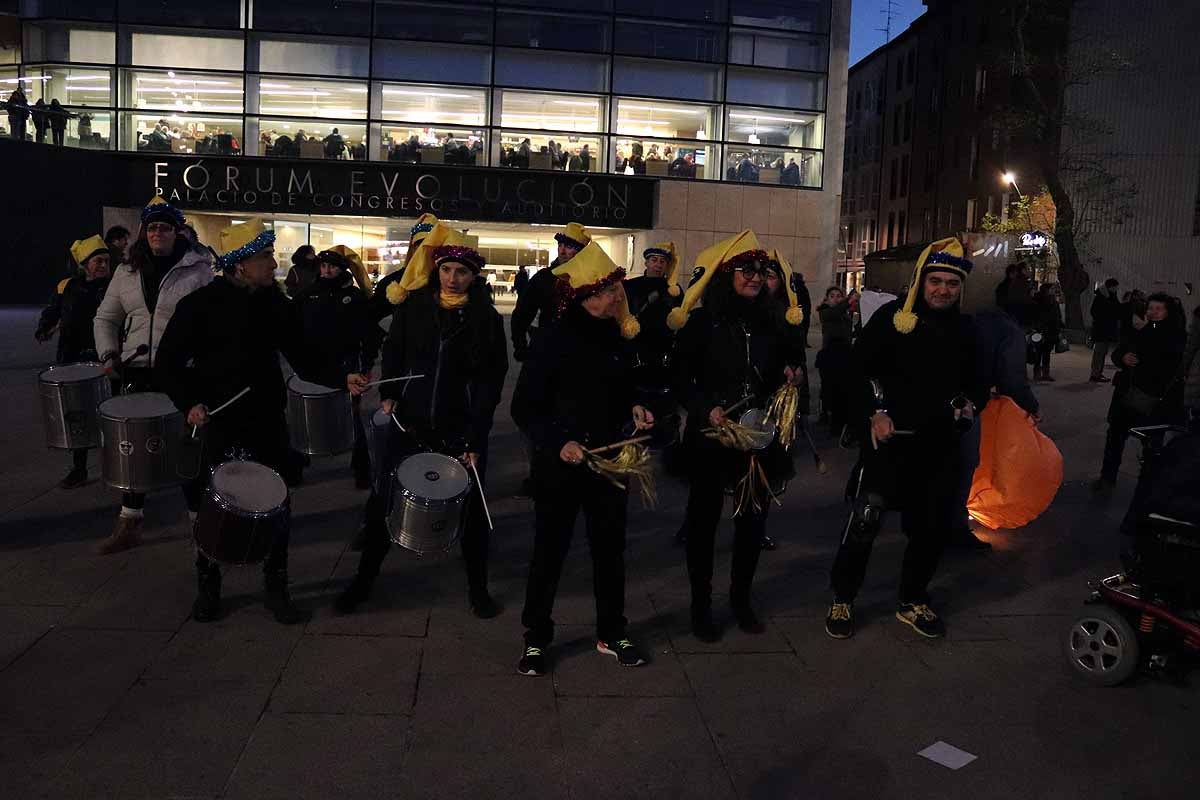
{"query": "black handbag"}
(1062, 345)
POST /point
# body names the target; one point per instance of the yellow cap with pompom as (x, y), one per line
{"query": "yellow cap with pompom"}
(707, 262)
(946, 254)
(420, 262)
(589, 272)
(795, 314)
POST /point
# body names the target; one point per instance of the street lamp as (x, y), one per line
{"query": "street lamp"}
(1008, 178)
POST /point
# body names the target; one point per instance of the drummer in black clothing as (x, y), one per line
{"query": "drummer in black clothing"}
(444, 329)
(221, 339)
(577, 392)
(739, 344)
(651, 297)
(72, 311)
(340, 334)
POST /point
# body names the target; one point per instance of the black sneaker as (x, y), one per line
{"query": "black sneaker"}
(533, 662)
(922, 619)
(75, 478)
(703, 627)
(840, 622)
(1100, 379)
(625, 651)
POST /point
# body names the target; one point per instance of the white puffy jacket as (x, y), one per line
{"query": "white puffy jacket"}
(123, 321)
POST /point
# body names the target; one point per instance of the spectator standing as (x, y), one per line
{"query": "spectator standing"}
(58, 122)
(1189, 370)
(18, 113)
(1014, 295)
(1106, 326)
(41, 119)
(1048, 322)
(834, 360)
(303, 272)
(117, 239)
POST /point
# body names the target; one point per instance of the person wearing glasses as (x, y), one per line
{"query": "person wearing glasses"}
(735, 350)
(162, 269)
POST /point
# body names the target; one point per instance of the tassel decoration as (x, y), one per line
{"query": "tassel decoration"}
(632, 463)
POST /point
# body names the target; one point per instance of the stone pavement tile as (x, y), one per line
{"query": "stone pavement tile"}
(675, 617)
(69, 680)
(459, 643)
(580, 670)
(21, 626)
(879, 642)
(486, 737)
(246, 646)
(349, 675)
(32, 766)
(772, 720)
(322, 756)
(641, 747)
(171, 738)
(59, 578)
(576, 605)
(154, 592)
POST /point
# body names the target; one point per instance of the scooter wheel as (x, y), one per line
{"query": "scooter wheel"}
(1102, 646)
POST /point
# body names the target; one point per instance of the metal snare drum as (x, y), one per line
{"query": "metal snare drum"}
(429, 493)
(71, 394)
(320, 419)
(139, 437)
(245, 507)
(764, 428)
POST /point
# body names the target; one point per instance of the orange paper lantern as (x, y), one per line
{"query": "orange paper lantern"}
(1020, 468)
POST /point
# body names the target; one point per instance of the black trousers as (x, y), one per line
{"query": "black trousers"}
(360, 460)
(706, 499)
(260, 437)
(562, 492)
(919, 476)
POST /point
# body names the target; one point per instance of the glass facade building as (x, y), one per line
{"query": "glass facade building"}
(715, 90)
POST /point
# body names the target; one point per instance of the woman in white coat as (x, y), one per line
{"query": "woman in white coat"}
(162, 268)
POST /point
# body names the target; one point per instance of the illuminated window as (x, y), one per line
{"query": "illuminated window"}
(443, 105)
(770, 126)
(182, 92)
(201, 50)
(306, 97)
(311, 138)
(547, 151)
(181, 133)
(559, 112)
(71, 86)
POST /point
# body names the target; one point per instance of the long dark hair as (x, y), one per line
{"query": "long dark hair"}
(139, 252)
(722, 301)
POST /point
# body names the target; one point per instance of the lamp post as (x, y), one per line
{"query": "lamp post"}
(1011, 178)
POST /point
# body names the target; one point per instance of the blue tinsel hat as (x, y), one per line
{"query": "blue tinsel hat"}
(239, 242)
(159, 210)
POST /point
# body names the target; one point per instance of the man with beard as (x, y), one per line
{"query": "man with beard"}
(915, 377)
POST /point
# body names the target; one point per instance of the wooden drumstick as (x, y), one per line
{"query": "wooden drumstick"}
(222, 407)
(617, 445)
(479, 484)
(392, 380)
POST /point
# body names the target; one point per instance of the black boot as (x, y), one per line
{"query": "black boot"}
(703, 627)
(482, 604)
(746, 619)
(278, 601)
(358, 591)
(208, 601)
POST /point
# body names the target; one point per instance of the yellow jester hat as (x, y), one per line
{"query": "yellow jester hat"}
(946, 255)
(667, 251)
(347, 258)
(708, 262)
(795, 314)
(84, 249)
(419, 265)
(423, 226)
(589, 272)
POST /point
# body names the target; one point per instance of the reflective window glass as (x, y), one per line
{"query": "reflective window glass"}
(452, 105)
(60, 41)
(431, 62)
(638, 155)
(306, 97)
(796, 15)
(773, 88)
(180, 91)
(547, 151)
(670, 40)
(208, 14)
(308, 56)
(350, 17)
(180, 133)
(87, 127)
(552, 31)
(560, 112)
(199, 50)
(661, 119)
(568, 71)
(692, 11)
(71, 86)
(777, 166)
(411, 144)
(667, 78)
(434, 22)
(575, 5)
(311, 138)
(775, 127)
(762, 49)
(67, 9)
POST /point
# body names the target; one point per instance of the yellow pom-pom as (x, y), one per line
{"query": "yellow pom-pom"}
(630, 327)
(396, 294)
(905, 321)
(677, 318)
(794, 315)
(674, 290)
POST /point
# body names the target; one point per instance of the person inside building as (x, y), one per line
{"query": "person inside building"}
(340, 334)
(735, 345)
(304, 271)
(222, 338)
(18, 113)
(72, 312)
(140, 300)
(41, 120)
(918, 389)
(444, 329)
(576, 392)
(1106, 326)
(538, 303)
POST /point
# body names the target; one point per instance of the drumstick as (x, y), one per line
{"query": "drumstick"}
(479, 484)
(221, 407)
(617, 445)
(739, 404)
(817, 460)
(390, 380)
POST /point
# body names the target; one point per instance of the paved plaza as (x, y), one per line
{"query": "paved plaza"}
(108, 689)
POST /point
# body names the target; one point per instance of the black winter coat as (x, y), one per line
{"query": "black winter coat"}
(381, 307)
(464, 358)
(1106, 318)
(1159, 347)
(577, 384)
(224, 337)
(338, 330)
(536, 302)
(650, 302)
(73, 309)
(920, 372)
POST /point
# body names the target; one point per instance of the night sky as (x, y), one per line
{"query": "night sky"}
(867, 18)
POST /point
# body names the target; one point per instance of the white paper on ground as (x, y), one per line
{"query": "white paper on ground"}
(947, 755)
